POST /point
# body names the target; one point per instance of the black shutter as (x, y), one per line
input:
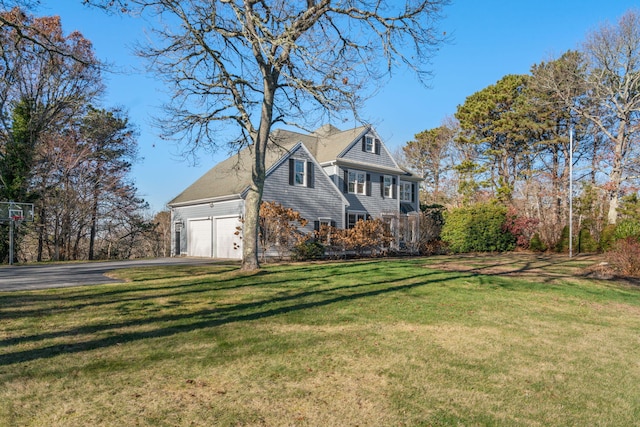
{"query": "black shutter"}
(394, 191)
(291, 171)
(364, 143)
(382, 186)
(377, 146)
(310, 176)
(413, 192)
(368, 185)
(333, 224)
(316, 225)
(346, 181)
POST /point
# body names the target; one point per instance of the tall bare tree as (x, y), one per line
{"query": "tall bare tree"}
(607, 77)
(256, 63)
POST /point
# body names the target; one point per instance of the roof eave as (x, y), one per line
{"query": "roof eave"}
(218, 199)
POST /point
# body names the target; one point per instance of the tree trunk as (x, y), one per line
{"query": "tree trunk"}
(253, 200)
(41, 230)
(615, 177)
(94, 223)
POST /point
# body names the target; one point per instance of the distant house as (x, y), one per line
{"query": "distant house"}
(330, 176)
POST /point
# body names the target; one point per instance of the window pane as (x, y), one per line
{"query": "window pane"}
(387, 186)
(299, 172)
(369, 144)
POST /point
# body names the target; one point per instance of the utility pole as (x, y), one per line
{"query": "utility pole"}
(570, 192)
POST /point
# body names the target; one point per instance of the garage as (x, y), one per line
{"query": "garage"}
(199, 238)
(228, 244)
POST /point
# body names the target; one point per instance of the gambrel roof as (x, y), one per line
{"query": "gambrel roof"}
(231, 177)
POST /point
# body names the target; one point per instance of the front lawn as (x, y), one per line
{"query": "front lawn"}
(359, 343)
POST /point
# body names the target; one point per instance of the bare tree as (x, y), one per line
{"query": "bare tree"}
(602, 85)
(256, 63)
(46, 88)
(427, 154)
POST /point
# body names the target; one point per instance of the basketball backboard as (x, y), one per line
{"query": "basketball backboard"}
(15, 211)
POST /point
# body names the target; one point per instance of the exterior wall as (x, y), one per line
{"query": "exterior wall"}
(357, 154)
(374, 204)
(180, 217)
(322, 200)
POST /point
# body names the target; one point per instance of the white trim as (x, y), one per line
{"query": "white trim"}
(305, 172)
(227, 198)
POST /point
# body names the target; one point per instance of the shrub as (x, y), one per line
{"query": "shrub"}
(536, 244)
(521, 227)
(308, 249)
(607, 237)
(478, 228)
(563, 243)
(627, 228)
(586, 242)
(625, 256)
(431, 222)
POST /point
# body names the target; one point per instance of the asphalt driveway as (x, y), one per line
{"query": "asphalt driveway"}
(43, 276)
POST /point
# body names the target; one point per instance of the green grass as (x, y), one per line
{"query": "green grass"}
(363, 343)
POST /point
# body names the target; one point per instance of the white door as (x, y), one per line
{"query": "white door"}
(199, 238)
(228, 243)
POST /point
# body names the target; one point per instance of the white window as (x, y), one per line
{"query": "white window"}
(357, 182)
(406, 191)
(369, 144)
(299, 174)
(354, 217)
(387, 186)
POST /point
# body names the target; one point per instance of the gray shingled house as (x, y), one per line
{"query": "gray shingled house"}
(330, 176)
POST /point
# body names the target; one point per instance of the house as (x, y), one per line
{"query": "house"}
(330, 176)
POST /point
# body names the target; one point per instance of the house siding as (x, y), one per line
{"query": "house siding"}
(355, 153)
(374, 204)
(320, 201)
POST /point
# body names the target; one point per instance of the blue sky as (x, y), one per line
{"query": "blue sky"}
(490, 39)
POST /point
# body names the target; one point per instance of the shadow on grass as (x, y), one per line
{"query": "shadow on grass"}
(182, 323)
(131, 293)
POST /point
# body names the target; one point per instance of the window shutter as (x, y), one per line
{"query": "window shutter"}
(291, 171)
(364, 143)
(382, 186)
(333, 224)
(394, 192)
(310, 175)
(413, 192)
(376, 147)
(368, 185)
(346, 181)
(316, 225)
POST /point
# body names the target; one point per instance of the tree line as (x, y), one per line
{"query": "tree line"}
(515, 141)
(62, 152)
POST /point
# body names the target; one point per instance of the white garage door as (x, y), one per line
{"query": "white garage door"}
(199, 238)
(229, 245)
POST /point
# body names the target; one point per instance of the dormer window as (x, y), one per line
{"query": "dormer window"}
(370, 144)
(300, 173)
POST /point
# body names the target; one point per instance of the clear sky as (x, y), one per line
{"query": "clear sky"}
(490, 39)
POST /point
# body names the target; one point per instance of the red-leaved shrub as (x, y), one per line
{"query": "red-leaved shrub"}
(625, 256)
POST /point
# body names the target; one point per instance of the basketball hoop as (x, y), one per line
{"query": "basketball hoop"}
(17, 218)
